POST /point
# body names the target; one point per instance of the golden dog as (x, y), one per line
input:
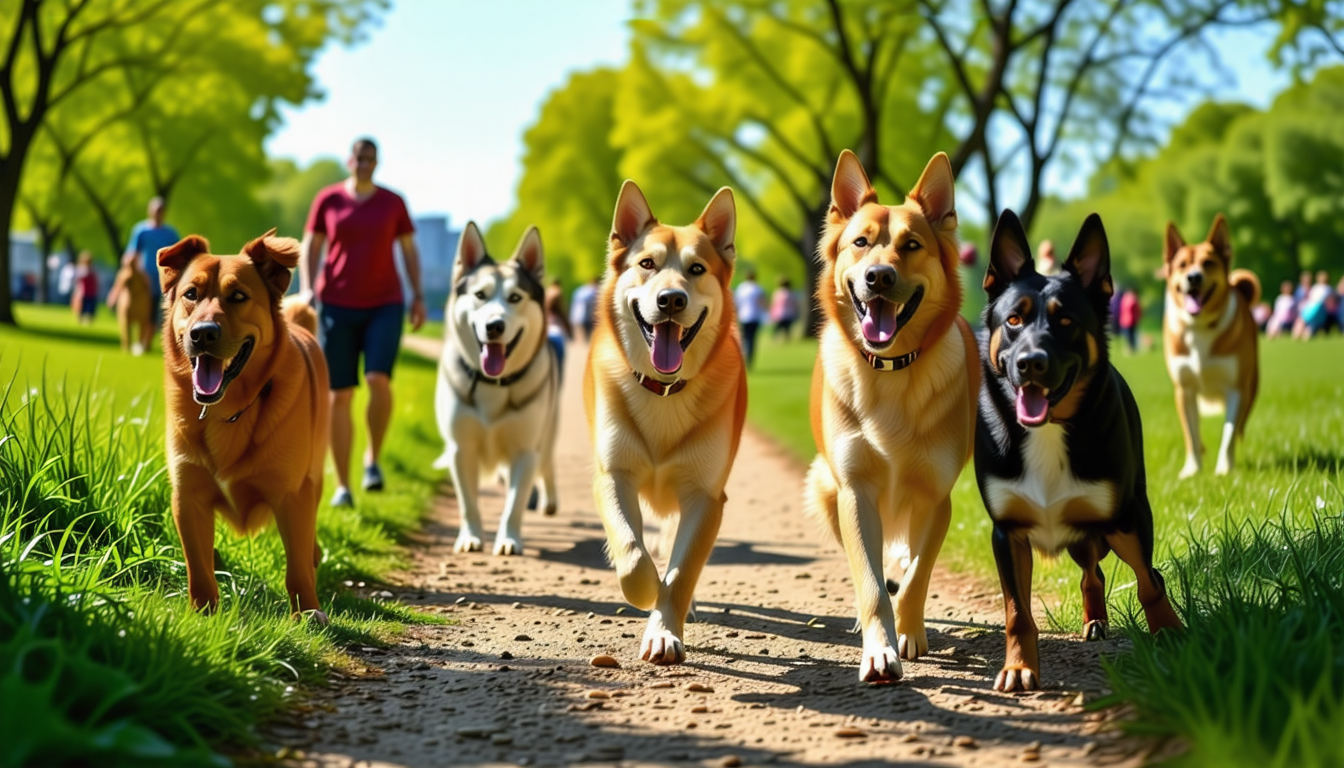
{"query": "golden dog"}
(666, 394)
(1210, 339)
(893, 396)
(248, 407)
(130, 298)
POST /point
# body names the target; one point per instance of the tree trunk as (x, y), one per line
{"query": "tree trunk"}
(9, 196)
(807, 250)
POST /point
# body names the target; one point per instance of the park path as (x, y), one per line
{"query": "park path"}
(771, 673)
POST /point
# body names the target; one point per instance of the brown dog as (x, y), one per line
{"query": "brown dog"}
(893, 396)
(248, 407)
(666, 395)
(131, 299)
(1210, 339)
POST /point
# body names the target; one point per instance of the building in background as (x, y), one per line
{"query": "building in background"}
(438, 247)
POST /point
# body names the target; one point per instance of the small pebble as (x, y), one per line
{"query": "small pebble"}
(603, 660)
(730, 761)
(595, 694)
(663, 684)
(699, 710)
(699, 688)
(522, 639)
(850, 733)
(506, 655)
(965, 741)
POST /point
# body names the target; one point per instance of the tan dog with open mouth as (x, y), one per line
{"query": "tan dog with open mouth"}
(893, 396)
(248, 408)
(666, 395)
(1210, 339)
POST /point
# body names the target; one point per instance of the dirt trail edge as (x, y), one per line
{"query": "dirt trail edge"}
(771, 672)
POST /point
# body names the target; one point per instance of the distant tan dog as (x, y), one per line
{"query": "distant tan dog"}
(248, 407)
(1211, 340)
(130, 298)
(893, 396)
(666, 395)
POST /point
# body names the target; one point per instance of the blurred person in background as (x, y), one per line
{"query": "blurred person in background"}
(583, 308)
(1284, 315)
(558, 329)
(784, 308)
(147, 237)
(84, 301)
(1045, 258)
(749, 299)
(1131, 312)
(1314, 311)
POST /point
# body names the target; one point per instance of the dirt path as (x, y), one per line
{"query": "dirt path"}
(771, 675)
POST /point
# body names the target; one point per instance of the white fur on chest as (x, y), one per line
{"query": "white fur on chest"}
(1047, 490)
(1199, 370)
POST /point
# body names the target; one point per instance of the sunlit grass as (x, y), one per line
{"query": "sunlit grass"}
(101, 659)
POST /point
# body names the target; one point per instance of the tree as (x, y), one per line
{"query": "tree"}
(289, 193)
(105, 53)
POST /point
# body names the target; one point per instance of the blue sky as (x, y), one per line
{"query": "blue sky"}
(447, 87)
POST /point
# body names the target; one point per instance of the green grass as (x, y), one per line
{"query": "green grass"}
(101, 659)
(1258, 678)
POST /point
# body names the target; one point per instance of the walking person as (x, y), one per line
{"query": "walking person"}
(1313, 309)
(749, 299)
(1130, 314)
(558, 329)
(361, 302)
(147, 237)
(784, 308)
(583, 308)
(84, 301)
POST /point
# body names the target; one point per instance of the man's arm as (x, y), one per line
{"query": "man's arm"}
(310, 255)
(410, 255)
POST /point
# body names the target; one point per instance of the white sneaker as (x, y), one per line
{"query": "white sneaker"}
(342, 498)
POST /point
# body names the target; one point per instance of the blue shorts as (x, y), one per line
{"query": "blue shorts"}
(348, 333)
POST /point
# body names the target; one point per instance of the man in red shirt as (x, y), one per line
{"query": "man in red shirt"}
(361, 301)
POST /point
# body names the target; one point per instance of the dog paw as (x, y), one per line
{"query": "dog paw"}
(467, 543)
(1223, 468)
(880, 665)
(505, 545)
(551, 508)
(318, 617)
(662, 647)
(1017, 678)
(913, 644)
(1188, 471)
(1094, 630)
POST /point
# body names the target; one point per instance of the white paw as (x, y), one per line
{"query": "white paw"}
(1224, 467)
(1189, 470)
(913, 644)
(661, 647)
(507, 545)
(880, 665)
(317, 616)
(1017, 678)
(467, 543)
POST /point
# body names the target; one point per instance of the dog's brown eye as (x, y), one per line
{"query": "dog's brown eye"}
(860, 242)
(1014, 320)
(237, 296)
(190, 294)
(646, 264)
(697, 269)
(480, 295)
(1066, 321)
(912, 245)
(514, 298)
(1208, 264)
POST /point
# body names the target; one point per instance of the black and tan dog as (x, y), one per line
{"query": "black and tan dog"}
(1058, 442)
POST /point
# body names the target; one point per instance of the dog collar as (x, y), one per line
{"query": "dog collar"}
(265, 390)
(890, 363)
(478, 377)
(659, 388)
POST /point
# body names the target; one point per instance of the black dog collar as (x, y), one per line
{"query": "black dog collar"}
(265, 390)
(659, 388)
(890, 363)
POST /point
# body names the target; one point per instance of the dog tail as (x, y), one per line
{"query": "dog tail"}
(300, 314)
(1247, 284)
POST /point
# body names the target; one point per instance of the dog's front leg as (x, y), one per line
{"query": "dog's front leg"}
(194, 516)
(617, 497)
(522, 476)
(861, 535)
(296, 522)
(1187, 405)
(1232, 399)
(1021, 663)
(697, 530)
(1136, 549)
(464, 465)
(926, 541)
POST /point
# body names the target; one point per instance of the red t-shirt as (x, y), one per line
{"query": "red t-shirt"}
(359, 272)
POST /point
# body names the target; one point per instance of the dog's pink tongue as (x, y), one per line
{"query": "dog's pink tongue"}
(492, 358)
(1032, 406)
(1193, 304)
(208, 375)
(879, 323)
(666, 351)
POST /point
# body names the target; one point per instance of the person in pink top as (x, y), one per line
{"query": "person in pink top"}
(360, 301)
(1130, 314)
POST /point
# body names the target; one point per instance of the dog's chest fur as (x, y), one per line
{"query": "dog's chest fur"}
(1198, 368)
(1047, 499)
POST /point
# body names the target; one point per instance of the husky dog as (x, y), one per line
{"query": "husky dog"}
(499, 387)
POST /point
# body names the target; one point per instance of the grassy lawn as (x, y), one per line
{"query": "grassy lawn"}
(101, 660)
(1256, 560)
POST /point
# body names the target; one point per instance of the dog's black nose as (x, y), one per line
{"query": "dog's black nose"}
(672, 300)
(1033, 362)
(1194, 279)
(494, 329)
(204, 333)
(880, 277)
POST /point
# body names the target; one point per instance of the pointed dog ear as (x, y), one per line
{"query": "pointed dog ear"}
(529, 254)
(1009, 254)
(1172, 243)
(173, 260)
(1220, 238)
(633, 216)
(470, 251)
(719, 223)
(1090, 259)
(275, 258)
(936, 193)
(850, 188)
